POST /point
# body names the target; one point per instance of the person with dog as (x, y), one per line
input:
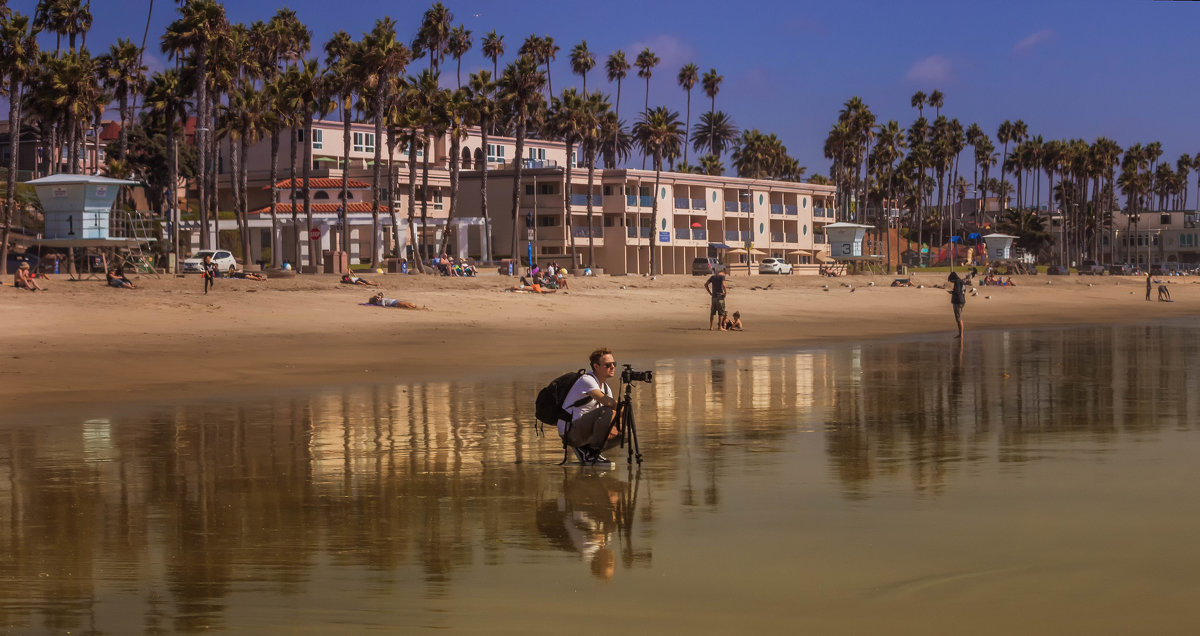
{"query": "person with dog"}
(593, 410)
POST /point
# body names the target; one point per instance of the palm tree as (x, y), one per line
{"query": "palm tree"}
(658, 133)
(520, 88)
(18, 54)
(645, 63)
(481, 89)
(918, 102)
(125, 76)
(460, 114)
(64, 17)
(710, 164)
(457, 47)
(937, 100)
(493, 48)
(200, 24)
(567, 121)
(617, 68)
(433, 35)
(596, 108)
(429, 100)
(543, 51)
(310, 90)
(715, 132)
(712, 85)
(1004, 135)
(164, 98)
(342, 80)
(383, 57)
(889, 145)
(687, 78)
(582, 61)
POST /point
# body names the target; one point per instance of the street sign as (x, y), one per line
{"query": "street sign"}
(314, 234)
(664, 237)
(529, 235)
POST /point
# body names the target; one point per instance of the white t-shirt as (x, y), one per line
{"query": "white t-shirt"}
(584, 385)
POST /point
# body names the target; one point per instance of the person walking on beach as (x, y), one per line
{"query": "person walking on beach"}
(208, 271)
(1148, 283)
(958, 299)
(716, 287)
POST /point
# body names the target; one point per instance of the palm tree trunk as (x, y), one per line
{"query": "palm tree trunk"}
(412, 198)
(14, 140)
(345, 242)
(201, 147)
(483, 191)
(379, 101)
(276, 243)
(295, 195)
(654, 214)
(455, 147)
(591, 153)
(244, 201)
(314, 254)
(518, 164)
(426, 142)
(393, 140)
(567, 215)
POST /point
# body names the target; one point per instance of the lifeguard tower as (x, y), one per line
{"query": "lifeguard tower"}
(846, 243)
(999, 246)
(78, 210)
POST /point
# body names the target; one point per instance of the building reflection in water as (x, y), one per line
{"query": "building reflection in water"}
(174, 510)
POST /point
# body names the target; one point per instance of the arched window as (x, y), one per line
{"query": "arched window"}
(479, 156)
(321, 194)
(466, 158)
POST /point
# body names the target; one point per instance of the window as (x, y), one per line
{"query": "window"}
(299, 135)
(495, 153)
(529, 189)
(537, 153)
(420, 151)
(546, 188)
(318, 139)
(364, 142)
(1164, 219)
(607, 190)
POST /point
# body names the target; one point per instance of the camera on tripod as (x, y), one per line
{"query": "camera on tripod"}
(628, 375)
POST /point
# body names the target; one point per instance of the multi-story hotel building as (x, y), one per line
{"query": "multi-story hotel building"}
(697, 216)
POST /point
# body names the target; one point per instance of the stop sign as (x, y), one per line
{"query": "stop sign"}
(314, 234)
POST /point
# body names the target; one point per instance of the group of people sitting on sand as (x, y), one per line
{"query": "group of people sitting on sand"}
(447, 266)
(550, 277)
(998, 281)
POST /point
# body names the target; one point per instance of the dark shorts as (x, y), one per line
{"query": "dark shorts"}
(958, 309)
(718, 306)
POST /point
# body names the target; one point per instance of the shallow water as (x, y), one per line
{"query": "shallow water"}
(1032, 481)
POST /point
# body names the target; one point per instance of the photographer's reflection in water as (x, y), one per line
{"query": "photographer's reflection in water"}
(588, 519)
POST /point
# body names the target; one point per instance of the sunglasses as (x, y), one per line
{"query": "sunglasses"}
(611, 365)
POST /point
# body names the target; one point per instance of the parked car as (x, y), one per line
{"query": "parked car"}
(774, 266)
(1124, 269)
(1090, 268)
(1057, 270)
(706, 266)
(222, 258)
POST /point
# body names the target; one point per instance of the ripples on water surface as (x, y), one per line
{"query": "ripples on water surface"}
(1038, 482)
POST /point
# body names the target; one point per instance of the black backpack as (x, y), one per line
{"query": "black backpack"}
(549, 405)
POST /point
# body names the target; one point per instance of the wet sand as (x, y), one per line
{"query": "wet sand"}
(83, 342)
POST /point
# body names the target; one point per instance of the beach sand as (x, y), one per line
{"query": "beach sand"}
(83, 342)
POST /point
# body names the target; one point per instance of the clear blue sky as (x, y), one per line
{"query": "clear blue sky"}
(1069, 69)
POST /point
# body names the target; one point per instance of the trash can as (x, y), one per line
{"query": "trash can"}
(336, 261)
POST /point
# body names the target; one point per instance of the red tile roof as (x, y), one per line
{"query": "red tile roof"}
(320, 208)
(322, 183)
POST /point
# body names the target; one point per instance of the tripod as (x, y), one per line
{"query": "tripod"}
(626, 427)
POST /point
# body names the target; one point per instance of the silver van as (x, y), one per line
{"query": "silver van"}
(706, 266)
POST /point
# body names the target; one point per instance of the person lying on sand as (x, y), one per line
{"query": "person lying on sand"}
(531, 289)
(380, 301)
(357, 280)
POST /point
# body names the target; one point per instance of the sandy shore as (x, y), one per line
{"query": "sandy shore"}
(84, 342)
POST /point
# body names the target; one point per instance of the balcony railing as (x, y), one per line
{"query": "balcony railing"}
(584, 232)
(791, 237)
(699, 204)
(776, 237)
(744, 236)
(791, 209)
(822, 212)
(633, 201)
(633, 232)
(746, 206)
(700, 235)
(683, 233)
(731, 206)
(776, 208)
(683, 203)
(539, 163)
(732, 235)
(582, 199)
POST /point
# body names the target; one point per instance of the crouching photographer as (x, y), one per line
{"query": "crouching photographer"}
(592, 428)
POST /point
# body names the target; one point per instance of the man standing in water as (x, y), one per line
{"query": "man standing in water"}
(715, 286)
(958, 299)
